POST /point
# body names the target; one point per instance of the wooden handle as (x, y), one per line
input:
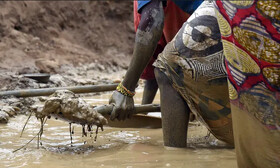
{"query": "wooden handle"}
(138, 109)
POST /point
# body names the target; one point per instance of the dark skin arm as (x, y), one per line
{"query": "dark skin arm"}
(147, 36)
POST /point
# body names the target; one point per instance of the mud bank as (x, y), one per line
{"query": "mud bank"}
(90, 74)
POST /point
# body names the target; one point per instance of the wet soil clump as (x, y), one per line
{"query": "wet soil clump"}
(65, 105)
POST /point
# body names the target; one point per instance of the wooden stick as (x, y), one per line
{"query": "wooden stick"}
(138, 109)
(49, 91)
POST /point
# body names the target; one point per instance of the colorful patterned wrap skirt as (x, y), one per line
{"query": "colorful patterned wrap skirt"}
(251, 40)
(194, 63)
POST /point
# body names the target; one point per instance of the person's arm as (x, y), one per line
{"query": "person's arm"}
(147, 36)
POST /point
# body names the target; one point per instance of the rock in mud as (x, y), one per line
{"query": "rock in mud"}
(6, 112)
(11, 111)
(4, 117)
(47, 66)
(58, 80)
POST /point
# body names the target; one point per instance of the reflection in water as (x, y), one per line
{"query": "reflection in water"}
(114, 147)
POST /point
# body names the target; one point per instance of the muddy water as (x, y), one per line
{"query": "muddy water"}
(114, 147)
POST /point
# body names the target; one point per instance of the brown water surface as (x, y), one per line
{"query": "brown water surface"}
(115, 147)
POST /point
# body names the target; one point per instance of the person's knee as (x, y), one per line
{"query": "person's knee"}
(157, 75)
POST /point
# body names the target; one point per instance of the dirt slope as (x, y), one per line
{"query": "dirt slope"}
(42, 36)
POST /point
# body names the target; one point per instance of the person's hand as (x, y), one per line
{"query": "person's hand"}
(123, 106)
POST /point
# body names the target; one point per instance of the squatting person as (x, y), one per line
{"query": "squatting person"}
(190, 73)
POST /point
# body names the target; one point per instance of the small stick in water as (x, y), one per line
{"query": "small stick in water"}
(25, 124)
(43, 121)
(96, 132)
(30, 139)
(70, 131)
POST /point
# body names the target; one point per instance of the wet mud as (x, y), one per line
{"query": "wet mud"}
(115, 147)
(68, 106)
(65, 105)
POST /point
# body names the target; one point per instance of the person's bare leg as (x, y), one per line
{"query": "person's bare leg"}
(150, 90)
(174, 112)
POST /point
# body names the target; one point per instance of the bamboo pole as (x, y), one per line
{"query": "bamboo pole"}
(49, 91)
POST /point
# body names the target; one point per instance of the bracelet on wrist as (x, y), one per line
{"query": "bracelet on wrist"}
(123, 90)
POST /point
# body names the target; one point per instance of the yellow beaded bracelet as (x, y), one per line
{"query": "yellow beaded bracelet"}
(123, 90)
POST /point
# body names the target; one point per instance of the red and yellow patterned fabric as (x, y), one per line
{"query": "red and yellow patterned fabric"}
(251, 41)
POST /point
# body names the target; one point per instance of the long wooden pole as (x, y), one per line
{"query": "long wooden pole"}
(49, 91)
